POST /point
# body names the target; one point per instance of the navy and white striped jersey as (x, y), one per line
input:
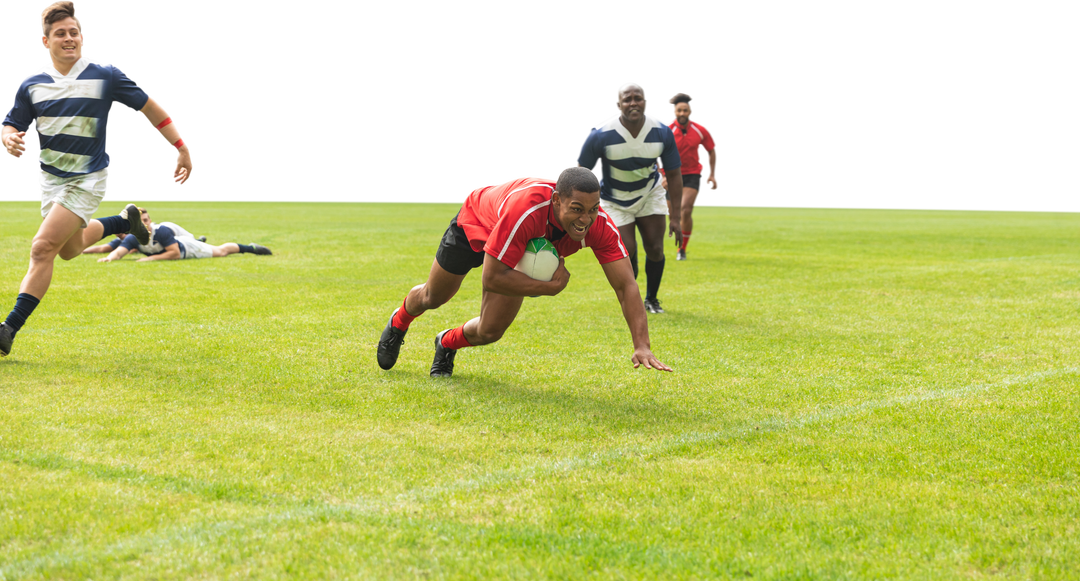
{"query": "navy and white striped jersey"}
(629, 163)
(162, 236)
(72, 112)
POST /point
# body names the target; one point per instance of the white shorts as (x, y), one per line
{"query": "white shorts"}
(650, 204)
(79, 194)
(195, 249)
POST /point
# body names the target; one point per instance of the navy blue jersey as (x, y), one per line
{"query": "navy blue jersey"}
(161, 238)
(72, 112)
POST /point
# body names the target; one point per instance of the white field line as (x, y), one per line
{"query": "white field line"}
(170, 538)
(1016, 258)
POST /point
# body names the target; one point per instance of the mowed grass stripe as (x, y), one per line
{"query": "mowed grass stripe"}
(416, 499)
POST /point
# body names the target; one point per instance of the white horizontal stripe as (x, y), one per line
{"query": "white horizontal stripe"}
(68, 89)
(68, 162)
(507, 198)
(79, 126)
(631, 176)
(625, 195)
(650, 150)
(510, 238)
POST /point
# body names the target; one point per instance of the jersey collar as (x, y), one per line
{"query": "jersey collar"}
(74, 73)
(556, 231)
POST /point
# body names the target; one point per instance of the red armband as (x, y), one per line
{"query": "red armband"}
(163, 123)
(179, 143)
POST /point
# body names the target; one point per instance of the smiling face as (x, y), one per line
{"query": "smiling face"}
(576, 212)
(632, 104)
(64, 42)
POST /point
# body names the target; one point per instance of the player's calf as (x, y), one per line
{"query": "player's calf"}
(483, 336)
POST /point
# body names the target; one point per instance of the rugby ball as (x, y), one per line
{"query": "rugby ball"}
(540, 260)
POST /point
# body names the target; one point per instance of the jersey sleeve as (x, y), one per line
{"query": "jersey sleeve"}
(129, 242)
(591, 151)
(512, 233)
(127, 92)
(709, 140)
(115, 243)
(606, 242)
(670, 156)
(22, 113)
(164, 236)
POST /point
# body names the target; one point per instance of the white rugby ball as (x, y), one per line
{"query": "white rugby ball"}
(540, 260)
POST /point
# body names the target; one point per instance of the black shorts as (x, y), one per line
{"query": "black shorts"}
(455, 254)
(692, 181)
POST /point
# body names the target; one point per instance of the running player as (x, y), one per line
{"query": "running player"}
(70, 102)
(631, 192)
(168, 241)
(688, 136)
(491, 230)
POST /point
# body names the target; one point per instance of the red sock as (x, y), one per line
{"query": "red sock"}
(685, 241)
(402, 318)
(455, 339)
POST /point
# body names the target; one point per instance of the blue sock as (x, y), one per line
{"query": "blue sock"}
(246, 248)
(24, 306)
(114, 225)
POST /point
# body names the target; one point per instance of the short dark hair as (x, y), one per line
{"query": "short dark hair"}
(680, 98)
(56, 12)
(577, 178)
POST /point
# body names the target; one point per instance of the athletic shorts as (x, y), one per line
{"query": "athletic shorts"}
(192, 248)
(455, 254)
(650, 204)
(692, 181)
(80, 194)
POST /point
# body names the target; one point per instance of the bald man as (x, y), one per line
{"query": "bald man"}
(631, 191)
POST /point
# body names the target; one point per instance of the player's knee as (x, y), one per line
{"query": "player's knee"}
(42, 250)
(655, 252)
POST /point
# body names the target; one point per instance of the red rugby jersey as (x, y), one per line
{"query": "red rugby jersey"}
(500, 220)
(688, 145)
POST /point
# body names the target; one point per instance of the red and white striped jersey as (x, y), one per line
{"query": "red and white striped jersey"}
(500, 220)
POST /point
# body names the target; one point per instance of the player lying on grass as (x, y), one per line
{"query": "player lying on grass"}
(70, 103)
(115, 242)
(169, 241)
(491, 230)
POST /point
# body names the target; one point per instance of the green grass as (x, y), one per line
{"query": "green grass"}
(856, 395)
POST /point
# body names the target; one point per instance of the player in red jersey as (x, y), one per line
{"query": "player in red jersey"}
(491, 230)
(688, 136)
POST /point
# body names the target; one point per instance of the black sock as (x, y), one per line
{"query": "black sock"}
(654, 271)
(114, 225)
(24, 306)
(633, 264)
(246, 248)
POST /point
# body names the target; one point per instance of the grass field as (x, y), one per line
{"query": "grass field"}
(856, 395)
